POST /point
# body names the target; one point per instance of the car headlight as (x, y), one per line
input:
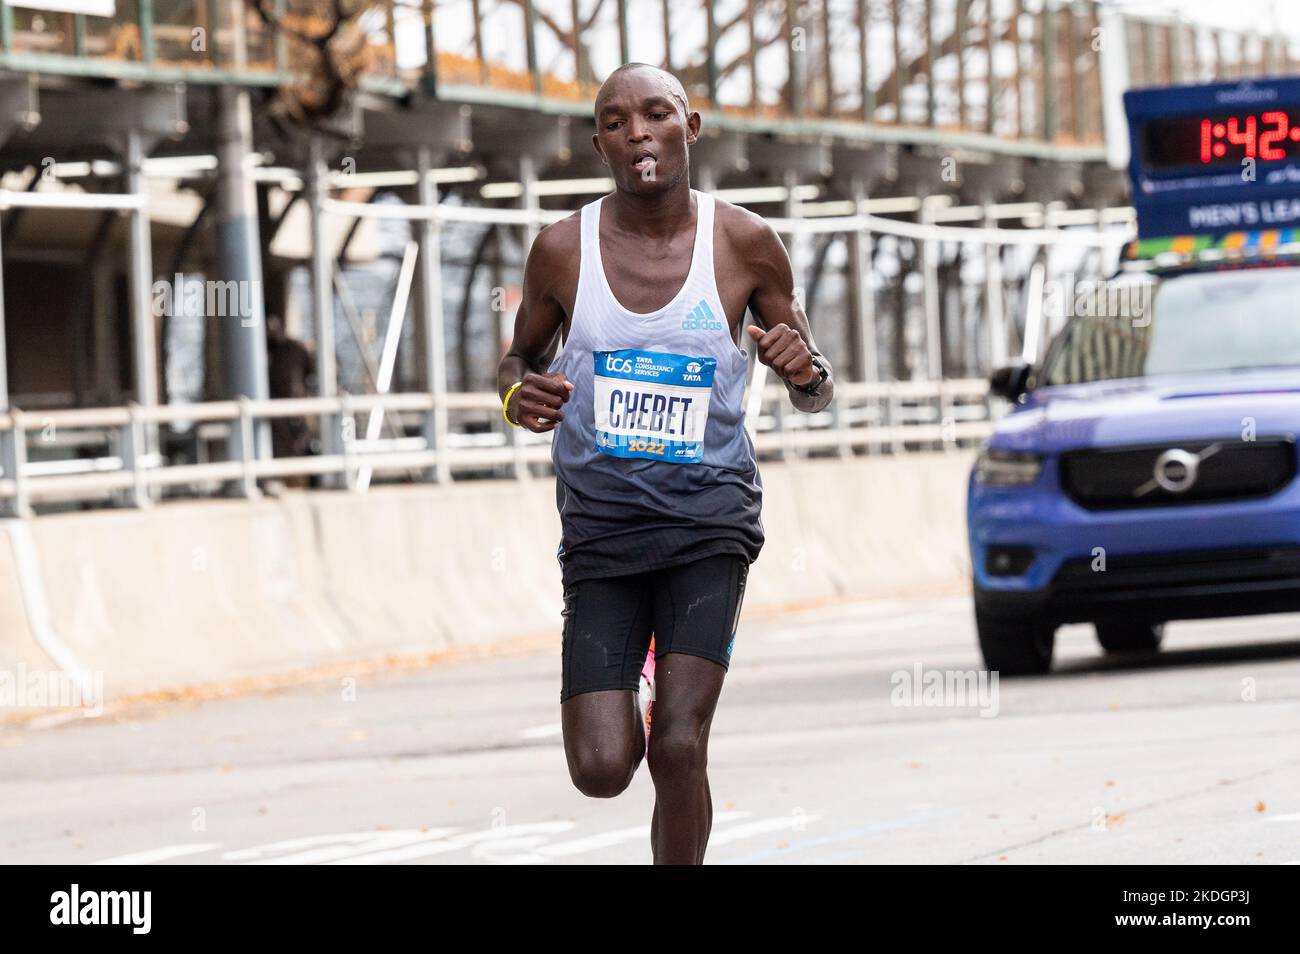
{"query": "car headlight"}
(1004, 468)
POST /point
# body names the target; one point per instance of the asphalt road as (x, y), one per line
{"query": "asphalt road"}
(1191, 755)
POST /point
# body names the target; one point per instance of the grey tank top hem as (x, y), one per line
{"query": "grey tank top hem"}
(574, 571)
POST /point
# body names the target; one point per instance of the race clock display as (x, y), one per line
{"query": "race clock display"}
(1223, 139)
(1216, 159)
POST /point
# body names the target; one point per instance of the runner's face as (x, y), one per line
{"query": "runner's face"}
(642, 133)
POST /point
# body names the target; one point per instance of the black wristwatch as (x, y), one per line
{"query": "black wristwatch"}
(815, 386)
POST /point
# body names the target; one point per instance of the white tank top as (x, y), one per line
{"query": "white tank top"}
(653, 437)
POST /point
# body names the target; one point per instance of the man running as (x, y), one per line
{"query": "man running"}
(656, 481)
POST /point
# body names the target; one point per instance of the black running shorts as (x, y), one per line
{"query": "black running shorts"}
(690, 608)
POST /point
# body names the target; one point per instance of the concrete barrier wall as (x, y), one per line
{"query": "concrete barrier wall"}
(208, 591)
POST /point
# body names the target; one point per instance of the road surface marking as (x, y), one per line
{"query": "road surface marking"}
(875, 828)
(325, 848)
(456, 843)
(166, 853)
(763, 826)
(548, 731)
(609, 839)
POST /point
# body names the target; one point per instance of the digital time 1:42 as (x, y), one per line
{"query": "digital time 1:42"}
(1257, 135)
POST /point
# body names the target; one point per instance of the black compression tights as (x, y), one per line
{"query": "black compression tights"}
(604, 743)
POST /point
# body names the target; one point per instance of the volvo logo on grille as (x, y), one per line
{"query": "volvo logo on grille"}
(1176, 470)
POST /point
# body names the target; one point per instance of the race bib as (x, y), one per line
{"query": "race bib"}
(652, 404)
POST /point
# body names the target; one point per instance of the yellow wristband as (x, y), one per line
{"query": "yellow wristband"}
(506, 403)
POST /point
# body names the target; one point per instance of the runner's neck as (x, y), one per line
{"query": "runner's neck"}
(653, 217)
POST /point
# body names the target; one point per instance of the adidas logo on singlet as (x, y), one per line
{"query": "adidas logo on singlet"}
(701, 319)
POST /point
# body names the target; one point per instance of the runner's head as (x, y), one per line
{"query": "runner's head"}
(643, 127)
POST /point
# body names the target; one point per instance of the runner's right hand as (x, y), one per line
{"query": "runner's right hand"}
(536, 403)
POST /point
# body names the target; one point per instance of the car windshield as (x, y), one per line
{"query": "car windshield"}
(1182, 324)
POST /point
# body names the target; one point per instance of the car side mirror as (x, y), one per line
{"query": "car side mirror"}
(1010, 382)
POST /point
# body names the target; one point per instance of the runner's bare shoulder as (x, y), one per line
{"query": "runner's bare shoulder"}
(557, 250)
(745, 239)
(742, 231)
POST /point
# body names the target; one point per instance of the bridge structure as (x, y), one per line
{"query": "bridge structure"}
(369, 177)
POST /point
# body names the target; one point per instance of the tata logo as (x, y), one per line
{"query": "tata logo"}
(701, 318)
(618, 365)
(694, 367)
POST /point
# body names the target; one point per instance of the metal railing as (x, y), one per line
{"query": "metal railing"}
(864, 418)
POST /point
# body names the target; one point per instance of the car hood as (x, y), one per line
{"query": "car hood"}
(1167, 408)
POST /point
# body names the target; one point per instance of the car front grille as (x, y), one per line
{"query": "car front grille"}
(1161, 475)
(1186, 569)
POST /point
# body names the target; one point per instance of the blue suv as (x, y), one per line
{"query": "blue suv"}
(1147, 469)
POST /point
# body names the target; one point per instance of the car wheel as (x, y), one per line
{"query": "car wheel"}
(1015, 647)
(1129, 637)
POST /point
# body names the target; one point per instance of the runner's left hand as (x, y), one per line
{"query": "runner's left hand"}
(783, 350)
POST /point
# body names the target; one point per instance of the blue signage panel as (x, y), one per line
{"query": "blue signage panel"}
(1214, 159)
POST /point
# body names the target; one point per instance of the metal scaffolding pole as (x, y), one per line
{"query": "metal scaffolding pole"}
(239, 263)
(12, 445)
(930, 297)
(322, 293)
(860, 275)
(994, 306)
(431, 318)
(143, 333)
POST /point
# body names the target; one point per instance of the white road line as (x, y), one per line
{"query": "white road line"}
(165, 853)
(509, 844)
(577, 846)
(762, 827)
(468, 840)
(328, 848)
(550, 730)
(1294, 816)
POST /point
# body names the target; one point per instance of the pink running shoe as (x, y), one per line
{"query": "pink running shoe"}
(646, 695)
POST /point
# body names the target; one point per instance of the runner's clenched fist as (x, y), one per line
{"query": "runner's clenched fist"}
(536, 403)
(783, 350)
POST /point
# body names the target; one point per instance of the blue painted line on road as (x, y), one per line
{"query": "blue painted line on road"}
(875, 828)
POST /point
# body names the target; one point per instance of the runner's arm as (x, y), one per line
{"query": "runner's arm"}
(786, 343)
(536, 403)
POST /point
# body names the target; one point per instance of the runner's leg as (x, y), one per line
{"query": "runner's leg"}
(686, 694)
(607, 625)
(697, 606)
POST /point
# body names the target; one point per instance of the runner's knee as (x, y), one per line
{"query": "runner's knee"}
(602, 774)
(677, 749)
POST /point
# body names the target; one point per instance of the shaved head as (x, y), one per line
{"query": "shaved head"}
(672, 87)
